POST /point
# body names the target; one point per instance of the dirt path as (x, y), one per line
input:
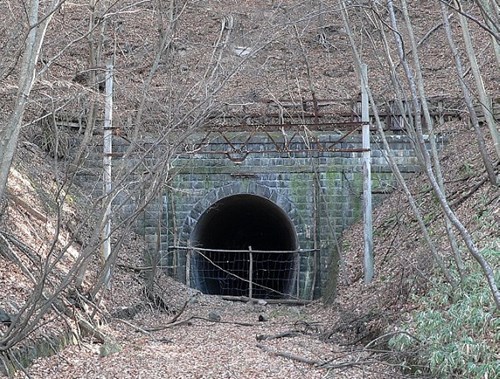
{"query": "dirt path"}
(237, 346)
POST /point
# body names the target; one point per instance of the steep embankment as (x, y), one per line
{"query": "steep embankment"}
(46, 226)
(212, 338)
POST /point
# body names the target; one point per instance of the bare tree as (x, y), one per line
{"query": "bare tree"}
(467, 238)
(468, 98)
(436, 165)
(485, 101)
(414, 89)
(38, 21)
(395, 169)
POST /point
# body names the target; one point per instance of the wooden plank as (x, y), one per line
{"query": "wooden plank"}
(246, 299)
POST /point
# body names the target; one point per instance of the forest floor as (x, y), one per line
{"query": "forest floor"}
(200, 336)
(214, 338)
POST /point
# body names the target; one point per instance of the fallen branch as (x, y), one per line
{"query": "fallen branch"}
(140, 268)
(225, 322)
(28, 208)
(290, 356)
(133, 326)
(314, 362)
(349, 364)
(188, 320)
(25, 249)
(290, 333)
(469, 193)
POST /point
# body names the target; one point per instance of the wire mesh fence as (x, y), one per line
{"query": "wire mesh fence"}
(258, 274)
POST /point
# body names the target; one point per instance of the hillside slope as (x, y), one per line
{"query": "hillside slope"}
(298, 50)
(200, 345)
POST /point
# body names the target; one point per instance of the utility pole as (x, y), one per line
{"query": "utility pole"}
(367, 179)
(107, 181)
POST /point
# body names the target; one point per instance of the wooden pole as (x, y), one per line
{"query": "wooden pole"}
(367, 180)
(297, 273)
(107, 181)
(188, 265)
(250, 273)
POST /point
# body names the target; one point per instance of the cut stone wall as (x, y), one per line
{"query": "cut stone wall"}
(320, 192)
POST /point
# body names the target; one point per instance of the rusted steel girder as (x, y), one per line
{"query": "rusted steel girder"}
(237, 142)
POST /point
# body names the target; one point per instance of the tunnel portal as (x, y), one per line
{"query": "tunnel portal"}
(244, 222)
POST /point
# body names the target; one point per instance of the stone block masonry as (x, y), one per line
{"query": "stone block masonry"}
(288, 203)
(319, 192)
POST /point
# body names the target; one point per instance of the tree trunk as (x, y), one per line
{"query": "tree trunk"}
(468, 99)
(10, 133)
(93, 63)
(486, 104)
(432, 137)
(490, 10)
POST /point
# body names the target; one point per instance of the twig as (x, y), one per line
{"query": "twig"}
(176, 317)
(427, 35)
(390, 335)
(290, 333)
(156, 300)
(293, 357)
(171, 325)
(135, 327)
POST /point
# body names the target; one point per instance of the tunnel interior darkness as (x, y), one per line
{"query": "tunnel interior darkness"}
(244, 222)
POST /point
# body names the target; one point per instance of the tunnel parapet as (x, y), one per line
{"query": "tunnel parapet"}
(313, 179)
(318, 191)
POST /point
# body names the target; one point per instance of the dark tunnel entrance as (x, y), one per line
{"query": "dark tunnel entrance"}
(244, 223)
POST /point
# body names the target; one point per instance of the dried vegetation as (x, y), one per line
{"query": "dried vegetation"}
(184, 334)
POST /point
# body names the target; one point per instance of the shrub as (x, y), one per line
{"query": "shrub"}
(455, 335)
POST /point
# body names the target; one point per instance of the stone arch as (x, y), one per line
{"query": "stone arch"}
(236, 217)
(240, 188)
